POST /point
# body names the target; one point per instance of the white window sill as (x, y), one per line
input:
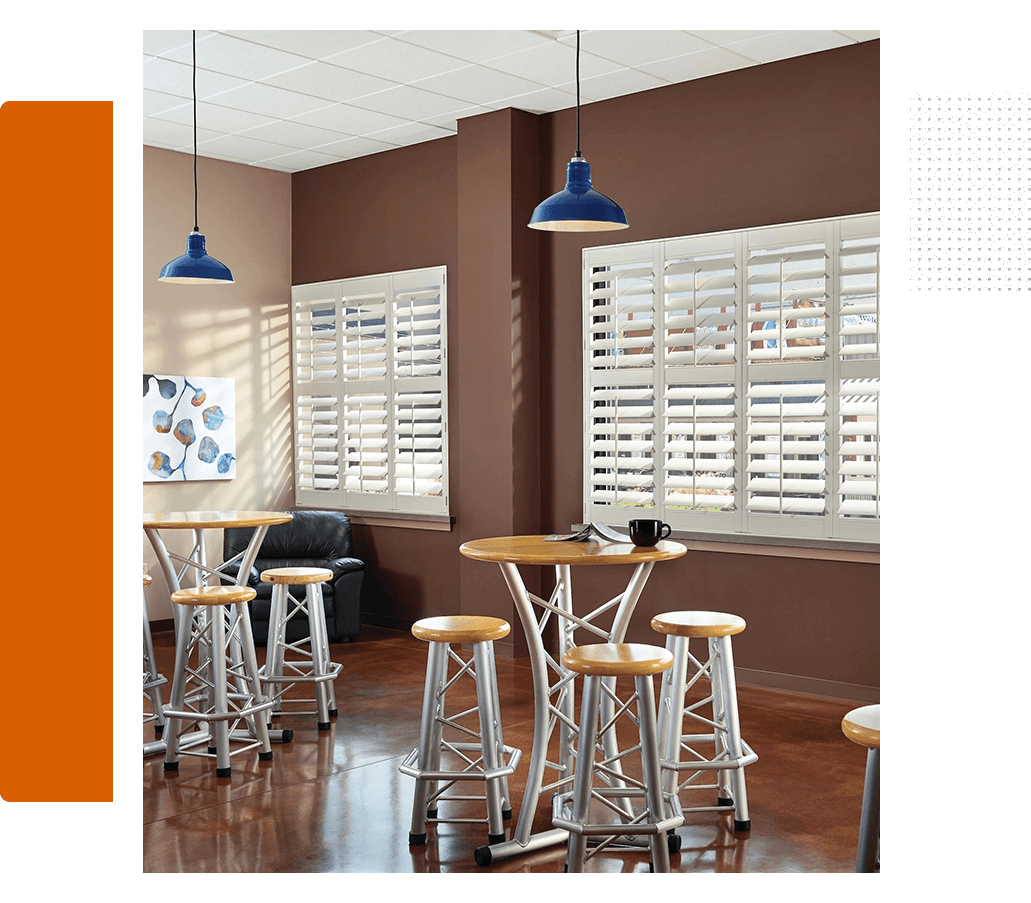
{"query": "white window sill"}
(443, 522)
(778, 547)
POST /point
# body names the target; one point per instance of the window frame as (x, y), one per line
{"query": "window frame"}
(407, 507)
(832, 368)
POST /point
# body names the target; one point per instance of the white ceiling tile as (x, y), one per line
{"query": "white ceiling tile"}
(551, 64)
(411, 133)
(174, 134)
(408, 102)
(350, 148)
(474, 46)
(170, 77)
(618, 83)
(351, 120)
(226, 54)
(156, 102)
(243, 147)
(449, 121)
(631, 48)
(294, 134)
(268, 100)
(722, 38)
(313, 45)
(156, 42)
(696, 65)
(546, 100)
(397, 61)
(862, 35)
(481, 85)
(329, 82)
(212, 116)
(299, 160)
(783, 44)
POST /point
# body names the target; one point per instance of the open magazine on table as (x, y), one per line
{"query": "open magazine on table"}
(603, 531)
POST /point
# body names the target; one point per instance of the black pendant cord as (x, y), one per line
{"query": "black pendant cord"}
(578, 92)
(196, 226)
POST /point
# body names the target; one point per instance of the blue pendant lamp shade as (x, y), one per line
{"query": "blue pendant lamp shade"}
(195, 267)
(578, 207)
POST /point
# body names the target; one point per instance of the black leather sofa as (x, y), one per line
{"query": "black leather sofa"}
(311, 539)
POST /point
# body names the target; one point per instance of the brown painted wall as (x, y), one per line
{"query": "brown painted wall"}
(792, 140)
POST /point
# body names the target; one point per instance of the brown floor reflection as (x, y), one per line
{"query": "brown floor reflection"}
(334, 801)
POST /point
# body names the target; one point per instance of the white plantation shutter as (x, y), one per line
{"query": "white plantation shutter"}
(732, 381)
(620, 354)
(373, 437)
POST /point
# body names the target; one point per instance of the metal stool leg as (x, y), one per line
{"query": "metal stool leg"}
(320, 616)
(152, 681)
(576, 853)
(319, 658)
(274, 648)
(177, 696)
(221, 691)
(489, 718)
(259, 721)
(671, 710)
(651, 770)
(728, 694)
(870, 820)
(429, 737)
(506, 799)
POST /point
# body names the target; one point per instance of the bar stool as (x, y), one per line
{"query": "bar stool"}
(571, 811)
(730, 753)
(215, 621)
(311, 665)
(152, 680)
(489, 765)
(863, 726)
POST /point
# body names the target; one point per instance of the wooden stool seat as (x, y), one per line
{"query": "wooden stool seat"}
(863, 726)
(698, 623)
(213, 595)
(296, 575)
(617, 659)
(460, 629)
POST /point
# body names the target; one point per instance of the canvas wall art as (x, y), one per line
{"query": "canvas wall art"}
(189, 428)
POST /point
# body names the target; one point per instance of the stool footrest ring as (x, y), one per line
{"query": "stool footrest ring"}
(409, 767)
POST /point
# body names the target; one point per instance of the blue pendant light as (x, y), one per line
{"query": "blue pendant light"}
(195, 267)
(578, 207)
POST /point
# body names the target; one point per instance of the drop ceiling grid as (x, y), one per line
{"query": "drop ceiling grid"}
(293, 100)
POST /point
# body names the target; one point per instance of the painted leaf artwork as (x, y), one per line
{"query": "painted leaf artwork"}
(189, 428)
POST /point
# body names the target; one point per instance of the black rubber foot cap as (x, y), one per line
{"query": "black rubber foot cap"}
(495, 838)
(506, 814)
(159, 729)
(265, 756)
(288, 735)
(333, 713)
(482, 855)
(742, 825)
(724, 801)
(223, 772)
(171, 766)
(212, 750)
(324, 725)
(431, 813)
(416, 840)
(673, 842)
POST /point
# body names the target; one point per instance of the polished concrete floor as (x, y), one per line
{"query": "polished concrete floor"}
(334, 801)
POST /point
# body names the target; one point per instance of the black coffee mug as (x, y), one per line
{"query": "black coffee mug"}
(648, 532)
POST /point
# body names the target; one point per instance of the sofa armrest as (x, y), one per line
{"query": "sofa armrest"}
(341, 566)
(229, 575)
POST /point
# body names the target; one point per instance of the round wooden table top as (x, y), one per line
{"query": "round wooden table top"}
(188, 520)
(536, 550)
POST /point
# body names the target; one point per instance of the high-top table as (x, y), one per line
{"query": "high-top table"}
(197, 559)
(509, 552)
